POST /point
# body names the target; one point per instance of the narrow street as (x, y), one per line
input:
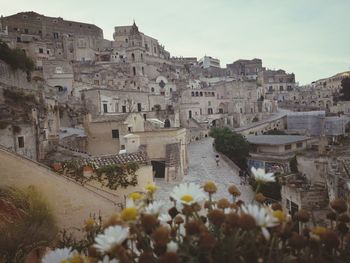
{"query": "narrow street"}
(203, 168)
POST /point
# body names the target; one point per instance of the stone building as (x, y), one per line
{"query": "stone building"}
(166, 148)
(130, 38)
(44, 37)
(29, 114)
(105, 133)
(246, 69)
(277, 83)
(273, 152)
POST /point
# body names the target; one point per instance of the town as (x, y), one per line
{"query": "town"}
(89, 122)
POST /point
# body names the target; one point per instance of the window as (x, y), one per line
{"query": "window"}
(20, 142)
(134, 71)
(139, 108)
(209, 103)
(210, 111)
(55, 35)
(105, 109)
(115, 134)
(288, 147)
(122, 147)
(281, 88)
(41, 50)
(129, 129)
(96, 82)
(221, 110)
(152, 89)
(26, 31)
(48, 52)
(155, 50)
(143, 71)
(123, 108)
(133, 57)
(39, 32)
(299, 144)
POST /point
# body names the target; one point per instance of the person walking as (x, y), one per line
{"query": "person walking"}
(241, 177)
(217, 159)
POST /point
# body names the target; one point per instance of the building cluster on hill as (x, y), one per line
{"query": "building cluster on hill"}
(88, 97)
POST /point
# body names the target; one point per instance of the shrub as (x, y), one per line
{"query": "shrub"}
(232, 144)
(16, 58)
(27, 223)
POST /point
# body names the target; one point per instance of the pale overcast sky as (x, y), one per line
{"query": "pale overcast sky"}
(308, 37)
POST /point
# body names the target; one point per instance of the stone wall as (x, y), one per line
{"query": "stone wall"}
(71, 202)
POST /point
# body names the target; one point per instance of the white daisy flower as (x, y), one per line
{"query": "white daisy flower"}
(262, 177)
(172, 247)
(58, 255)
(107, 260)
(229, 210)
(164, 219)
(154, 208)
(263, 217)
(188, 193)
(113, 235)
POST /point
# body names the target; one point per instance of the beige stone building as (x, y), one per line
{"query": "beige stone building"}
(166, 148)
(105, 133)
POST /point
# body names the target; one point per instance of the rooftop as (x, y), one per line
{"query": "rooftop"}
(275, 139)
(98, 162)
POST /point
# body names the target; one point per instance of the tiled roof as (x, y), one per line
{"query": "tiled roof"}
(98, 162)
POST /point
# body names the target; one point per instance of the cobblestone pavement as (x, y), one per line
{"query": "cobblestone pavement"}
(202, 168)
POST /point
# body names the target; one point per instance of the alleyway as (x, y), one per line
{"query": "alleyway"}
(203, 168)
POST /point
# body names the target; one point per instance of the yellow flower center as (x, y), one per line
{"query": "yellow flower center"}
(279, 215)
(129, 214)
(187, 198)
(135, 196)
(318, 230)
(90, 222)
(151, 188)
(76, 259)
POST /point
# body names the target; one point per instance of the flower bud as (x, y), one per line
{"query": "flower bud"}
(223, 203)
(210, 187)
(339, 205)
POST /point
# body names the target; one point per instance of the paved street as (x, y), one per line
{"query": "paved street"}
(203, 168)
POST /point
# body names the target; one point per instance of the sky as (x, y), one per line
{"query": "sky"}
(310, 38)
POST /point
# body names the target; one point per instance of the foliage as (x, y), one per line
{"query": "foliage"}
(275, 132)
(19, 97)
(30, 223)
(112, 176)
(16, 58)
(216, 231)
(345, 90)
(293, 163)
(93, 226)
(232, 144)
(270, 190)
(4, 124)
(255, 119)
(118, 175)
